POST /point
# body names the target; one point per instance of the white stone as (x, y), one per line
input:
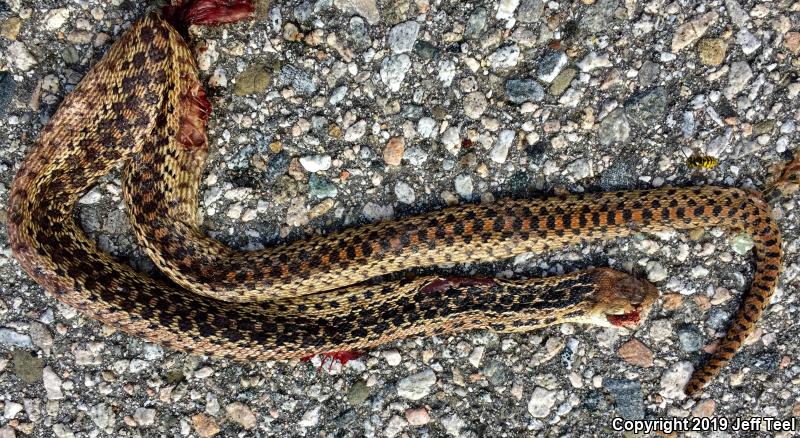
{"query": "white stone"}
(415, 156)
(374, 212)
(394, 69)
(102, 415)
(137, 366)
(453, 425)
(365, 8)
(747, 41)
(475, 104)
(541, 402)
(355, 131)
(579, 169)
(403, 36)
(737, 13)
(144, 416)
(11, 409)
(416, 386)
(56, 18)
(739, 77)
(594, 61)
(675, 379)
(426, 127)
(91, 197)
(52, 384)
(392, 357)
(394, 426)
(451, 139)
(699, 272)
(20, 55)
(310, 418)
(505, 57)
(506, 8)
(12, 338)
(316, 163)
(476, 356)
(464, 186)
(656, 272)
(661, 329)
(447, 71)
(62, 431)
(499, 152)
(404, 192)
(204, 373)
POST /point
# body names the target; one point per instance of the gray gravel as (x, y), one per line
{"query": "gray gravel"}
(332, 113)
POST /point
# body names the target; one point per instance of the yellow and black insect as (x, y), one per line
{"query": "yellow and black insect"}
(699, 161)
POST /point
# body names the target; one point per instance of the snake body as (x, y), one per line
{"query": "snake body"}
(143, 105)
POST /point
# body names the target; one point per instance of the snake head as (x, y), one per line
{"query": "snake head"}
(620, 300)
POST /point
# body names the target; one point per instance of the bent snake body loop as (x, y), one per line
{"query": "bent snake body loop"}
(143, 105)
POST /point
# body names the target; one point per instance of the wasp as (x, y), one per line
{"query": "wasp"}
(699, 161)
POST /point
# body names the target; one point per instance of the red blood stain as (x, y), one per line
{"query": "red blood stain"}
(194, 119)
(332, 357)
(624, 320)
(208, 12)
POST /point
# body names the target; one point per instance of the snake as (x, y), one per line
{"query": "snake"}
(143, 106)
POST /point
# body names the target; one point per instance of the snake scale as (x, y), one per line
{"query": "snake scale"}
(143, 105)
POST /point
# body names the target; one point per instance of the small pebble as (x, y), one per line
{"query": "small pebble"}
(712, 51)
(403, 36)
(524, 90)
(394, 69)
(689, 32)
(675, 379)
(241, 414)
(464, 186)
(11, 338)
(392, 357)
(690, 339)
(417, 416)
(636, 353)
(416, 386)
(404, 192)
(310, 418)
(504, 141)
(316, 163)
(205, 426)
(475, 105)
(144, 416)
(505, 57)
(541, 402)
(393, 152)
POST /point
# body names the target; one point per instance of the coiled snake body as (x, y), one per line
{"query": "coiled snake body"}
(143, 100)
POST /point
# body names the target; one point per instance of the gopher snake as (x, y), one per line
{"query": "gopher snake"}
(144, 97)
